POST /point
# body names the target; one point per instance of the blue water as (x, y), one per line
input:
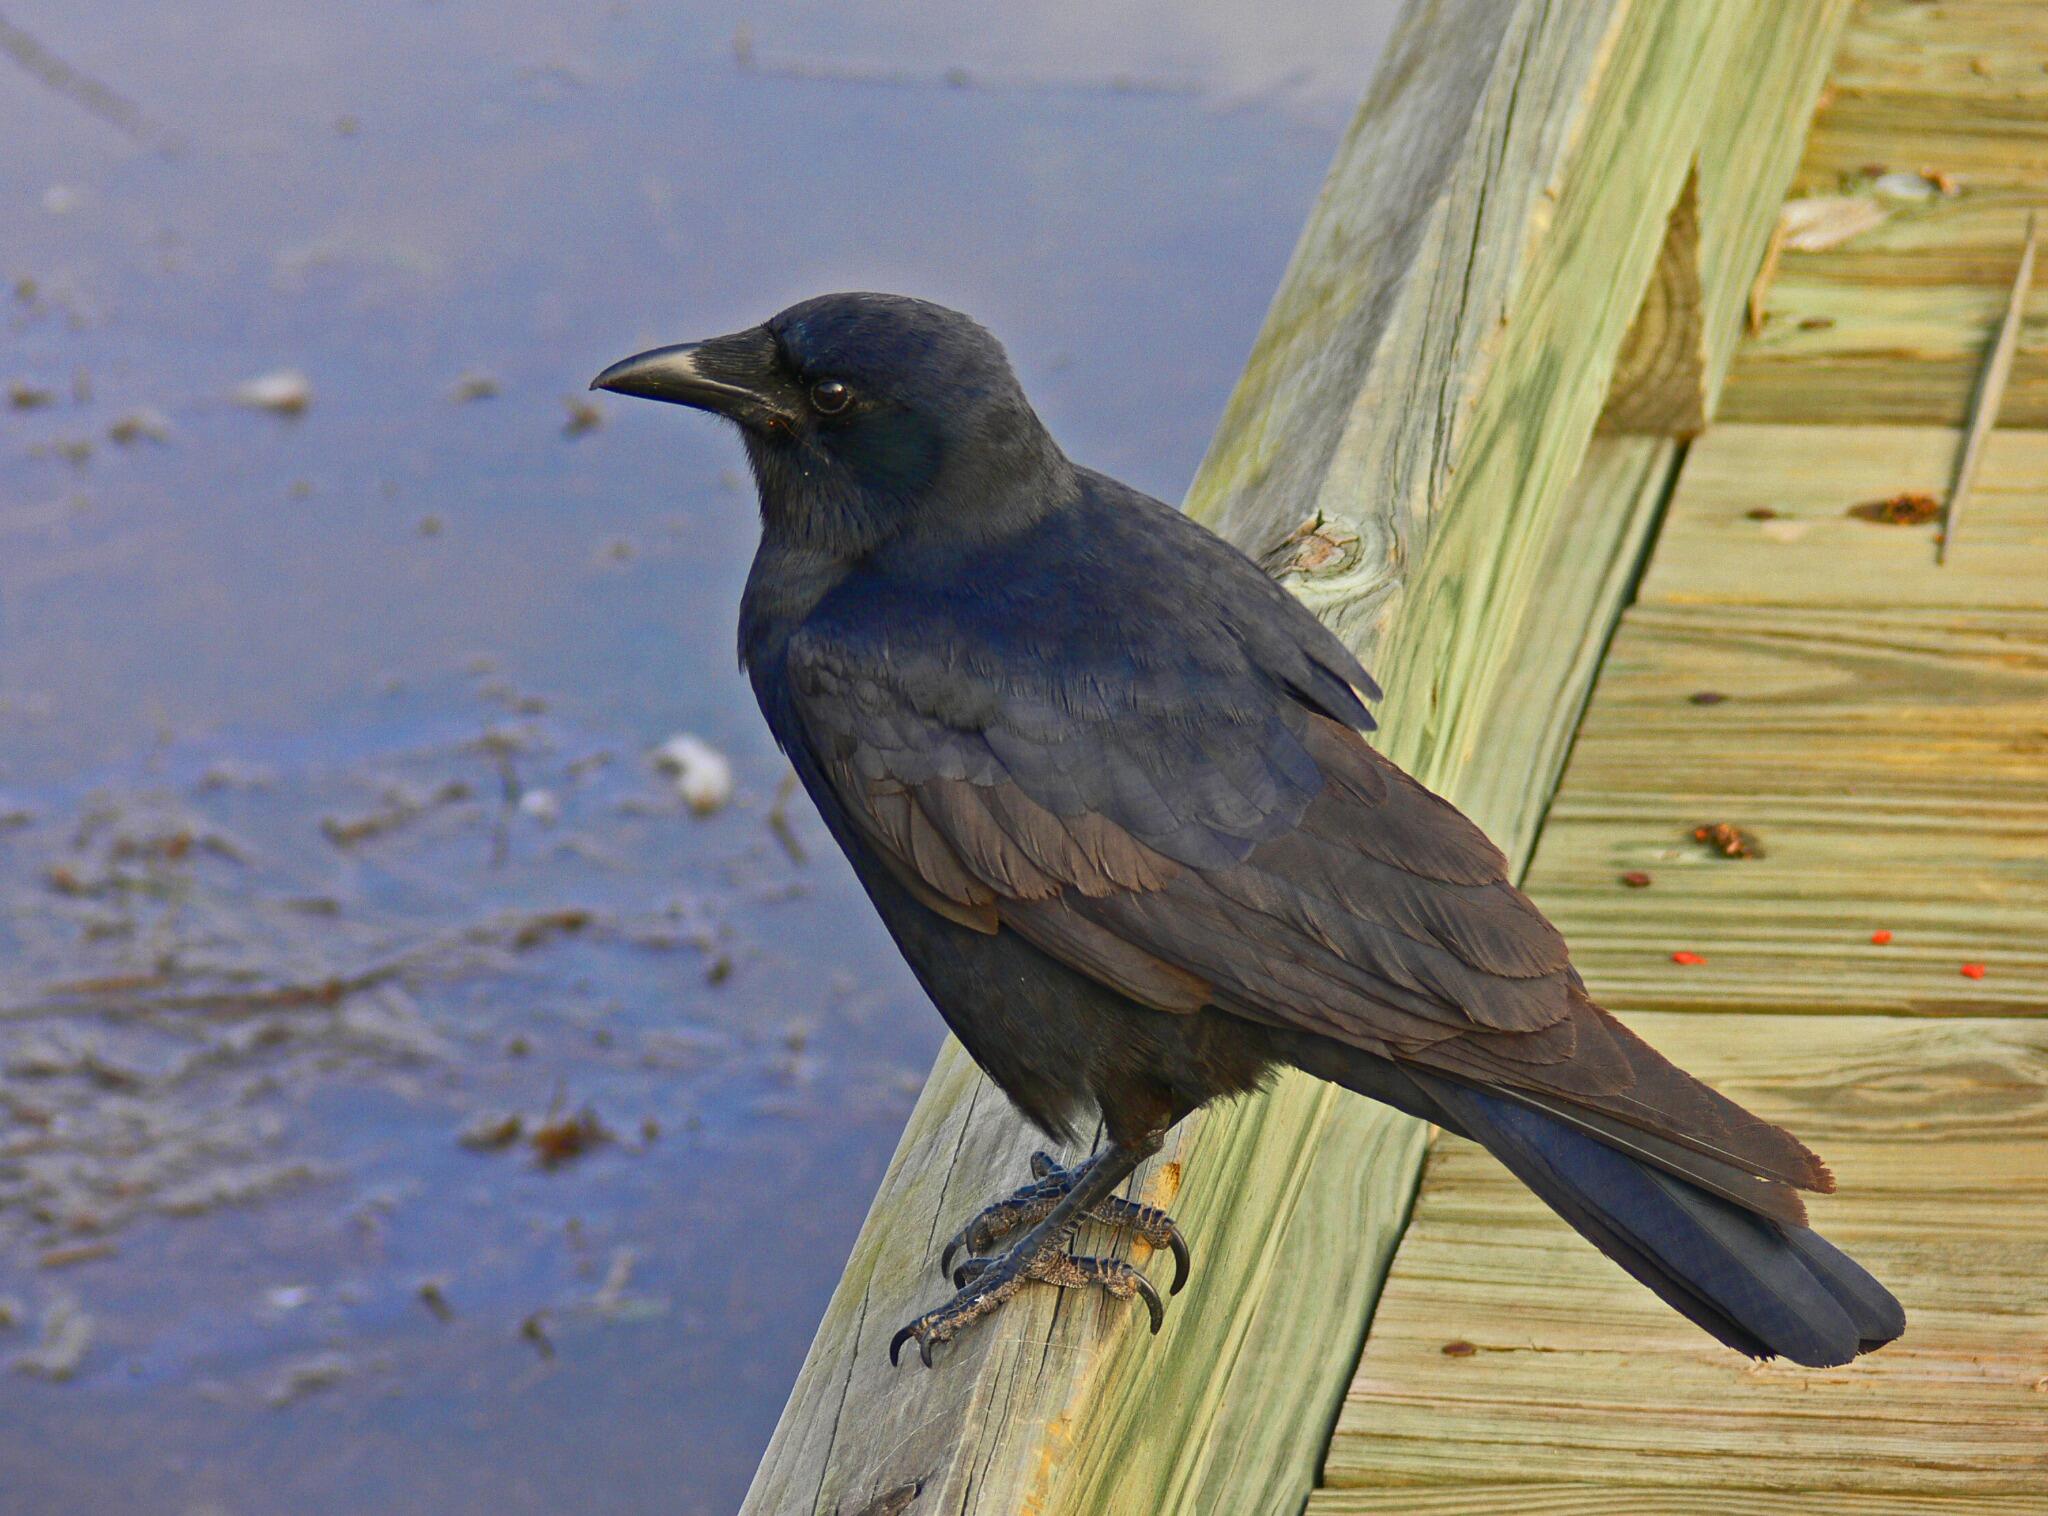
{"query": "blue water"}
(399, 604)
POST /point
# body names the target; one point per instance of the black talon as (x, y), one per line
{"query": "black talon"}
(1152, 1302)
(1183, 1264)
(896, 1344)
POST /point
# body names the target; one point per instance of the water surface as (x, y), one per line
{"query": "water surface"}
(333, 865)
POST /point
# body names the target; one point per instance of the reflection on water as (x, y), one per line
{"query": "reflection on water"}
(406, 1102)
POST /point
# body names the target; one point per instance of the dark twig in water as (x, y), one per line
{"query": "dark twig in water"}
(89, 94)
(778, 820)
(144, 994)
(1990, 391)
(835, 71)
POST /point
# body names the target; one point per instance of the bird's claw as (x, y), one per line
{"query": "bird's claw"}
(1031, 1203)
(984, 1284)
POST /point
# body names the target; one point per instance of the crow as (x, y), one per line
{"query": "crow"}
(1105, 784)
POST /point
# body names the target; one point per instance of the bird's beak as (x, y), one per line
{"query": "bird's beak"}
(737, 376)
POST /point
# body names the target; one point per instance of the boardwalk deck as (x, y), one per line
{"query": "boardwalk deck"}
(1881, 728)
(1414, 447)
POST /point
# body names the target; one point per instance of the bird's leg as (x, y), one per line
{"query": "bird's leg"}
(986, 1284)
(1034, 1202)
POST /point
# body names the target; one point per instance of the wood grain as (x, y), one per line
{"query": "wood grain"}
(1893, 767)
(1614, 1498)
(1885, 346)
(1810, 551)
(1938, 1132)
(1429, 379)
(1881, 726)
(1659, 384)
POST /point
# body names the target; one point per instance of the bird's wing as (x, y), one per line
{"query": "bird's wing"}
(1197, 836)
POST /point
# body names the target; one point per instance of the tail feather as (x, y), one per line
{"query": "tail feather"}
(1763, 1287)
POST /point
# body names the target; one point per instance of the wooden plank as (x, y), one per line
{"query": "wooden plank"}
(1981, 141)
(1810, 551)
(1893, 767)
(1865, 344)
(1617, 1499)
(1479, 248)
(1860, 333)
(1959, 50)
(1939, 1134)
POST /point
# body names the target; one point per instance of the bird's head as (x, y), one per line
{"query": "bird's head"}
(867, 418)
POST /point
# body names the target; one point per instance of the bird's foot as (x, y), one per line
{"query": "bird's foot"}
(987, 1283)
(1033, 1202)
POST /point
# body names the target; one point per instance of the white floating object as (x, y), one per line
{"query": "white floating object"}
(285, 393)
(542, 806)
(702, 775)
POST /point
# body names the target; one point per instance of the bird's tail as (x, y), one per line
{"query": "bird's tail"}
(1763, 1287)
(1766, 1287)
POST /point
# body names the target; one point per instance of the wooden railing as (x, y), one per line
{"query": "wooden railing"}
(1416, 448)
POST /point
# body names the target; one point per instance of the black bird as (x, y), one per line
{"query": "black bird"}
(1104, 782)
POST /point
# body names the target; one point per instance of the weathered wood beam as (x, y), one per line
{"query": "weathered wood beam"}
(1404, 447)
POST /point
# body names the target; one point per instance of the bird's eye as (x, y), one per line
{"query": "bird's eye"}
(830, 396)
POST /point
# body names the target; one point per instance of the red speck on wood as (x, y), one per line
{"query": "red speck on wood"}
(1636, 879)
(1687, 958)
(1973, 971)
(1881, 938)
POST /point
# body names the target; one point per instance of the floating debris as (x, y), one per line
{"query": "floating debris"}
(584, 416)
(286, 392)
(541, 806)
(1909, 508)
(66, 1338)
(474, 384)
(1881, 938)
(77, 1252)
(702, 775)
(534, 1329)
(306, 1376)
(1688, 959)
(1973, 971)
(1728, 841)
(778, 819)
(541, 925)
(144, 425)
(433, 1295)
(346, 832)
(492, 1131)
(560, 1138)
(29, 397)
